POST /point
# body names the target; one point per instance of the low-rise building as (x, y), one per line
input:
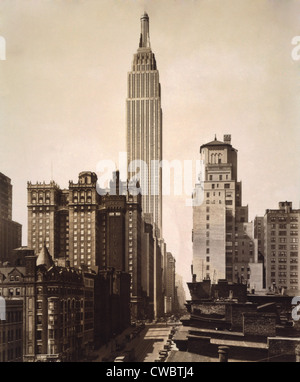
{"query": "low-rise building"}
(11, 331)
(58, 318)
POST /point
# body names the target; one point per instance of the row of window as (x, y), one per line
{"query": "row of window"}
(10, 291)
(284, 233)
(284, 274)
(283, 219)
(284, 267)
(281, 247)
(11, 354)
(283, 240)
(220, 177)
(282, 260)
(10, 335)
(283, 282)
(284, 226)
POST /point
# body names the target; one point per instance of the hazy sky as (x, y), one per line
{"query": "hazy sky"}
(225, 67)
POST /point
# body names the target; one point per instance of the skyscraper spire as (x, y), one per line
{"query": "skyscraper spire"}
(144, 38)
(144, 125)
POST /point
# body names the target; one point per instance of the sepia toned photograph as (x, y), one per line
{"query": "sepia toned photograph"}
(149, 184)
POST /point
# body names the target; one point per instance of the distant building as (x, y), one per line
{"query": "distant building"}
(11, 332)
(112, 304)
(180, 292)
(223, 240)
(10, 231)
(170, 291)
(281, 248)
(148, 242)
(259, 234)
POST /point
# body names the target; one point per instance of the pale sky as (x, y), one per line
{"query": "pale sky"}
(225, 68)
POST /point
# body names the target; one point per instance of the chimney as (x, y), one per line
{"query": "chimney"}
(227, 138)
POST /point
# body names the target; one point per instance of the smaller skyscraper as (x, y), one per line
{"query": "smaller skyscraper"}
(223, 239)
(281, 248)
(170, 291)
(10, 231)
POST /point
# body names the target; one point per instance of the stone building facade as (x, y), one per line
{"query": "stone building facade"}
(223, 239)
(11, 332)
(281, 248)
(99, 229)
(58, 312)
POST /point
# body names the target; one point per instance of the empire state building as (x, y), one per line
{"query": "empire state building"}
(144, 125)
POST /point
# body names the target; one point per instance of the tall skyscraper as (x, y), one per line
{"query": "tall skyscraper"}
(144, 125)
(223, 239)
(10, 231)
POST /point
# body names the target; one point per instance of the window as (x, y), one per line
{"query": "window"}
(207, 250)
(207, 259)
(227, 185)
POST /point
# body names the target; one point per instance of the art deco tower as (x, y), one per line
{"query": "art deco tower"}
(144, 125)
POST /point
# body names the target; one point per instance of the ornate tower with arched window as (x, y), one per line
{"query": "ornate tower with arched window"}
(223, 239)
